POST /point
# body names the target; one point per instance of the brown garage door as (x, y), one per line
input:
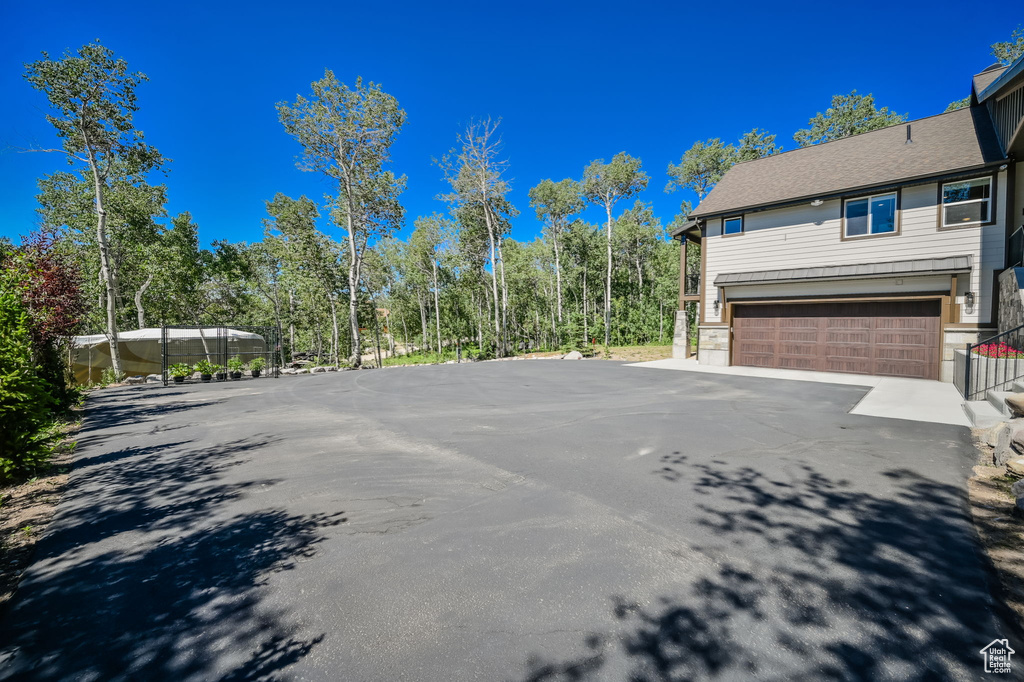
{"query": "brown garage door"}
(897, 338)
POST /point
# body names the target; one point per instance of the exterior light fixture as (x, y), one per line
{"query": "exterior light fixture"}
(715, 306)
(1003, 167)
(817, 202)
(969, 301)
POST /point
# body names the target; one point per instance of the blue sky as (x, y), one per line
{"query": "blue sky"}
(572, 82)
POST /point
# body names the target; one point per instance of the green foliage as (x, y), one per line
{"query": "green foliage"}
(701, 167)
(958, 104)
(26, 405)
(421, 359)
(109, 376)
(849, 115)
(257, 364)
(1009, 51)
(235, 364)
(179, 370)
(756, 144)
(205, 367)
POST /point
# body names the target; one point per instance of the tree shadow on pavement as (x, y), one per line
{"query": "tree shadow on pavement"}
(149, 573)
(843, 585)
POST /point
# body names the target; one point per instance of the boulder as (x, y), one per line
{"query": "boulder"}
(1017, 489)
(991, 434)
(1009, 443)
(154, 378)
(1016, 404)
(135, 380)
(318, 370)
(573, 355)
(302, 371)
(332, 369)
(1015, 467)
(289, 370)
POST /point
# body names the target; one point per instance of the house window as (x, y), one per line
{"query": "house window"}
(967, 203)
(732, 225)
(870, 215)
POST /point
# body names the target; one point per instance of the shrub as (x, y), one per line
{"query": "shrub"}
(26, 406)
(999, 350)
(257, 364)
(179, 370)
(207, 367)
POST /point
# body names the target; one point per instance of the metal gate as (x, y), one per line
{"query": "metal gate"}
(218, 345)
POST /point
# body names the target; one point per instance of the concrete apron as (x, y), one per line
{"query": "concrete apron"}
(916, 400)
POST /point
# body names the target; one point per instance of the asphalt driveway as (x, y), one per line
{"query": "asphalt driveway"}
(532, 520)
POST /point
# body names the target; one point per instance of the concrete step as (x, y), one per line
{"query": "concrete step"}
(1018, 387)
(998, 400)
(982, 413)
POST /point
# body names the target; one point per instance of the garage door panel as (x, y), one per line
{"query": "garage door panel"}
(898, 338)
(848, 365)
(797, 362)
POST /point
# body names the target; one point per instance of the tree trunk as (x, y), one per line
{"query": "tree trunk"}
(139, 310)
(423, 320)
(106, 271)
(504, 300)
(277, 318)
(355, 259)
(291, 326)
(608, 282)
(335, 335)
(494, 281)
(405, 335)
(586, 333)
(558, 277)
(437, 305)
(661, 321)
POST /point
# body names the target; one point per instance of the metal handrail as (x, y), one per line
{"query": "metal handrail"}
(982, 373)
(1015, 252)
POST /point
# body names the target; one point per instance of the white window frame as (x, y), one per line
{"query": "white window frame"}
(732, 234)
(943, 204)
(869, 198)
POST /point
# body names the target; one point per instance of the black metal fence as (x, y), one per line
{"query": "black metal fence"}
(993, 364)
(223, 353)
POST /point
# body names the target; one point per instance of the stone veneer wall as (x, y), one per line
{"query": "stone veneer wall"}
(956, 340)
(713, 348)
(1011, 306)
(680, 347)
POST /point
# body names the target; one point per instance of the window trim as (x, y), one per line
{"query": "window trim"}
(898, 226)
(743, 227)
(993, 186)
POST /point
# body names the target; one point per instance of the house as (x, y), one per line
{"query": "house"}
(880, 253)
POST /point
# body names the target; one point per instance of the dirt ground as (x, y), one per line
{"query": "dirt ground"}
(622, 353)
(26, 508)
(1000, 526)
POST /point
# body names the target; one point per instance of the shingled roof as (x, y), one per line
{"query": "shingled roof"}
(943, 144)
(985, 78)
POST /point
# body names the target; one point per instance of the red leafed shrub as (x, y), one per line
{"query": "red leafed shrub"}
(52, 291)
(999, 350)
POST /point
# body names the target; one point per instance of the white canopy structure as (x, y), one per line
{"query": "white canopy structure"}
(142, 350)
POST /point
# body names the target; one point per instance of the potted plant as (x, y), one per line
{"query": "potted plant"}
(218, 370)
(206, 370)
(235, 367)
(179, 372)
(256, 366)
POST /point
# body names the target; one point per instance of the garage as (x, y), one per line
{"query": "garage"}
(886, 338)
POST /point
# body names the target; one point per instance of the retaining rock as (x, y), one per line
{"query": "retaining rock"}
(1016, 404)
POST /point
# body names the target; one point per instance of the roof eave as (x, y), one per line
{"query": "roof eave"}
(1012, 71)
(915, 180)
